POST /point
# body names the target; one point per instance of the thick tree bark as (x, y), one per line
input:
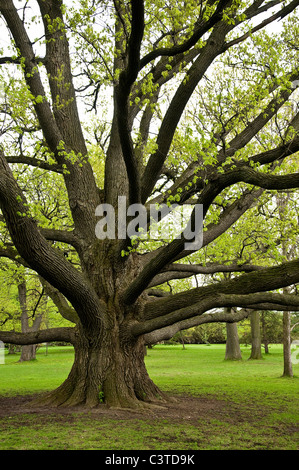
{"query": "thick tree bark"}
(106, 369)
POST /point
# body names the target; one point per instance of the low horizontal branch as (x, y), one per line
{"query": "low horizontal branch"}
(41, 336)
(168, 332)
(212, 300)
(253, 283)
(219, 317)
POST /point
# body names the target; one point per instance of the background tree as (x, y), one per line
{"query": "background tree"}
(287, 360)
(265, 336)
(287, 249)
(256, 342)
(10, 307)
(26, 305)
(28, 352)
(152, 59)
(232, 350)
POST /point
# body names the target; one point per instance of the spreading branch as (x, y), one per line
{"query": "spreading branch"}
(194, 314)
(255, 283)
(216, 185)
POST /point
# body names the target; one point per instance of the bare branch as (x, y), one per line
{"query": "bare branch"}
(279, 153)
(286, 10)
(199, 30)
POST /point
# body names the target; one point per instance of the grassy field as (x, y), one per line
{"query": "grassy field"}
(221, 405)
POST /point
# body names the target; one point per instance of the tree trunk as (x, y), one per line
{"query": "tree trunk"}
(12, 349)
(265, 335)
(106, 369)
(256, 346)
(287, 362)
(28, 352)
(232, 351)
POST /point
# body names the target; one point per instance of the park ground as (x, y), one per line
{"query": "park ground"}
(219, 405)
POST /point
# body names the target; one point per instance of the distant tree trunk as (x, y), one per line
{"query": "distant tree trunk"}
(12, 349)
(256, 346)
(287, 362)
(182, 339)
(232, 351)
(28, 352)
(286, 319)
(265, 334)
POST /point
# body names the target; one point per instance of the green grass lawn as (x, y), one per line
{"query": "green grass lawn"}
(244, 405)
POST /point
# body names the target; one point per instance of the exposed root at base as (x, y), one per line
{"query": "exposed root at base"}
(138, 409)
(54, 400)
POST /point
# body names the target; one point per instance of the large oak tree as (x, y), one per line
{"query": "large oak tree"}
(202, 112)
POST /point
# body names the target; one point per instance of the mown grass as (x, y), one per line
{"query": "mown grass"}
(257, 408)
(202, 370)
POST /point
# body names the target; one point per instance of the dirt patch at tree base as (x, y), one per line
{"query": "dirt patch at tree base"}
(184, 408)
